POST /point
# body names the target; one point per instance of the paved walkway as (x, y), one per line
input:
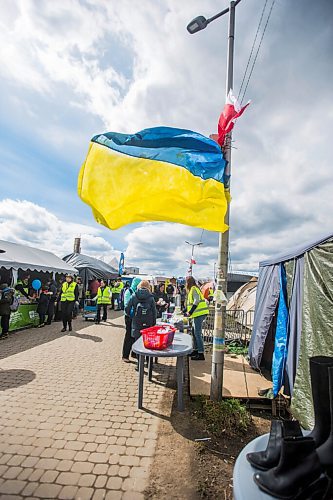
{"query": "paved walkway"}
(69, 424)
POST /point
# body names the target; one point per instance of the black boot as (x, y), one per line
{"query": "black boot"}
(264, 460)
(325, 451)
(319, 366)
(198, 357)
(299, 474)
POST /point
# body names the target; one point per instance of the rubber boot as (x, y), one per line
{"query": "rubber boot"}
(299, 473)
(264, 460)
(319, 366)
(325, 451)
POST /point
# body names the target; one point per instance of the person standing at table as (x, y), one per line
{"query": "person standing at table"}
(53, 292)
(161, 300)
(197, 310)
(128, 339)
(142, 307)
(103, 300)
(43, 305)
(22, 286)
(6, 300)
(68, 296)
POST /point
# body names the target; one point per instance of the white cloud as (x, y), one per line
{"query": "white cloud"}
(133, 65)
(29, 224)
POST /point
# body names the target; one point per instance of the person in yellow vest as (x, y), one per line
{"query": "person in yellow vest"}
(116, 291)
(210, 297)
(22, 286)
(197, 310)
(69, 294)
(103, 300)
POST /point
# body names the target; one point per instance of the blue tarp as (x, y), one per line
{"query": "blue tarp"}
(281, 335)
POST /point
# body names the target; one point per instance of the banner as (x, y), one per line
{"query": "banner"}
(26, 316)
(121, 264)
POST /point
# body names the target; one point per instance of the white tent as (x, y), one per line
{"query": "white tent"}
(243, 303)
(14, 257)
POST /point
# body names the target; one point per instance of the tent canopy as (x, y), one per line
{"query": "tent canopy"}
(90, 268)
(295, 252)
(16, 256)
(293, 319)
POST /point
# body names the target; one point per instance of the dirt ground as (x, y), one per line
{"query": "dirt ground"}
(186, 469)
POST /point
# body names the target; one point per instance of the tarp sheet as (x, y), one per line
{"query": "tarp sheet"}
(296, 282)
(15, 256)
(317, 325)
(281, 334)
(266, 301)
(90, 268)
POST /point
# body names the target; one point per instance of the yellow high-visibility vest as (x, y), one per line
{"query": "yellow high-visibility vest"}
(68, 293)
(103, 297)
(118, 289)
(202, 308)
(25, 288)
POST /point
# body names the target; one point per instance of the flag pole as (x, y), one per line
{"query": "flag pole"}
(222, 265)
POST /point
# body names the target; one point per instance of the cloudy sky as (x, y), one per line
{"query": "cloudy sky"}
(76, 68)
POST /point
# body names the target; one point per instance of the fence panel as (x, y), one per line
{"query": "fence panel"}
(238, 325)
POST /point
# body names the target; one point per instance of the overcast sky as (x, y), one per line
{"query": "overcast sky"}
(74, 69)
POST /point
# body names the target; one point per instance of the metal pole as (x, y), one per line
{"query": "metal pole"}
(222, 266)
(191, 265)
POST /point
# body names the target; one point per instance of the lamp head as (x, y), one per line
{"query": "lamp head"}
(197, 24)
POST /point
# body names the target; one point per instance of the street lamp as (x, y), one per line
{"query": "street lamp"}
(198, 24)
(192, 254)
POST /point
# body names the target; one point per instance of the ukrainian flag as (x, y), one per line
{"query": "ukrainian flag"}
(158, 174)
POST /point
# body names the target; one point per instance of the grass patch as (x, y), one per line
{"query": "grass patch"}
(237, 350)
(228, 416)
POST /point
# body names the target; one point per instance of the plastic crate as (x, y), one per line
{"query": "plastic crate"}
(158, 337)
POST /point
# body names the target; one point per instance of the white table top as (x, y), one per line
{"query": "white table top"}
(182, 345)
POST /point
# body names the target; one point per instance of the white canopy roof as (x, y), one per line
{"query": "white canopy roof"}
(15, 256)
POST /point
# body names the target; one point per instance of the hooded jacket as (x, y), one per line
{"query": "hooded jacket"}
(6, 299)
(130, 291)
(146, 298)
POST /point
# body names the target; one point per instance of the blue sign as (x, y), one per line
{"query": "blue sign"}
(121, 264)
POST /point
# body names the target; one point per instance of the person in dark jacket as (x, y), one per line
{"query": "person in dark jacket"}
(43, 304)
(142, 308)
(161, 300)
(6, 299)
(53, 292)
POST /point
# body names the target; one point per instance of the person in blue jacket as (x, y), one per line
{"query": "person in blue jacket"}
(129, 340)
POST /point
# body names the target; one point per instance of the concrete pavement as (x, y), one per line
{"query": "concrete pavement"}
(69, 423)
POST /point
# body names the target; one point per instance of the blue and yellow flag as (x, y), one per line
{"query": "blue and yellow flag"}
(158, 174)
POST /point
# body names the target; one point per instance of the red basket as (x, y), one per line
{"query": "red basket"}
(158, 337)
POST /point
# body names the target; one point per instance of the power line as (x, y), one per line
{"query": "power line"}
(256, 56)
(252, 49)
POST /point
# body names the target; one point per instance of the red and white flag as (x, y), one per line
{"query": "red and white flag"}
(232, 110)
(193, 261)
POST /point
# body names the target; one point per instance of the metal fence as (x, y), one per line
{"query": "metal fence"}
(238, 326)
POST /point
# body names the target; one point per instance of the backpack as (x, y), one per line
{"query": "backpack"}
(144, 313)
(15, 304)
